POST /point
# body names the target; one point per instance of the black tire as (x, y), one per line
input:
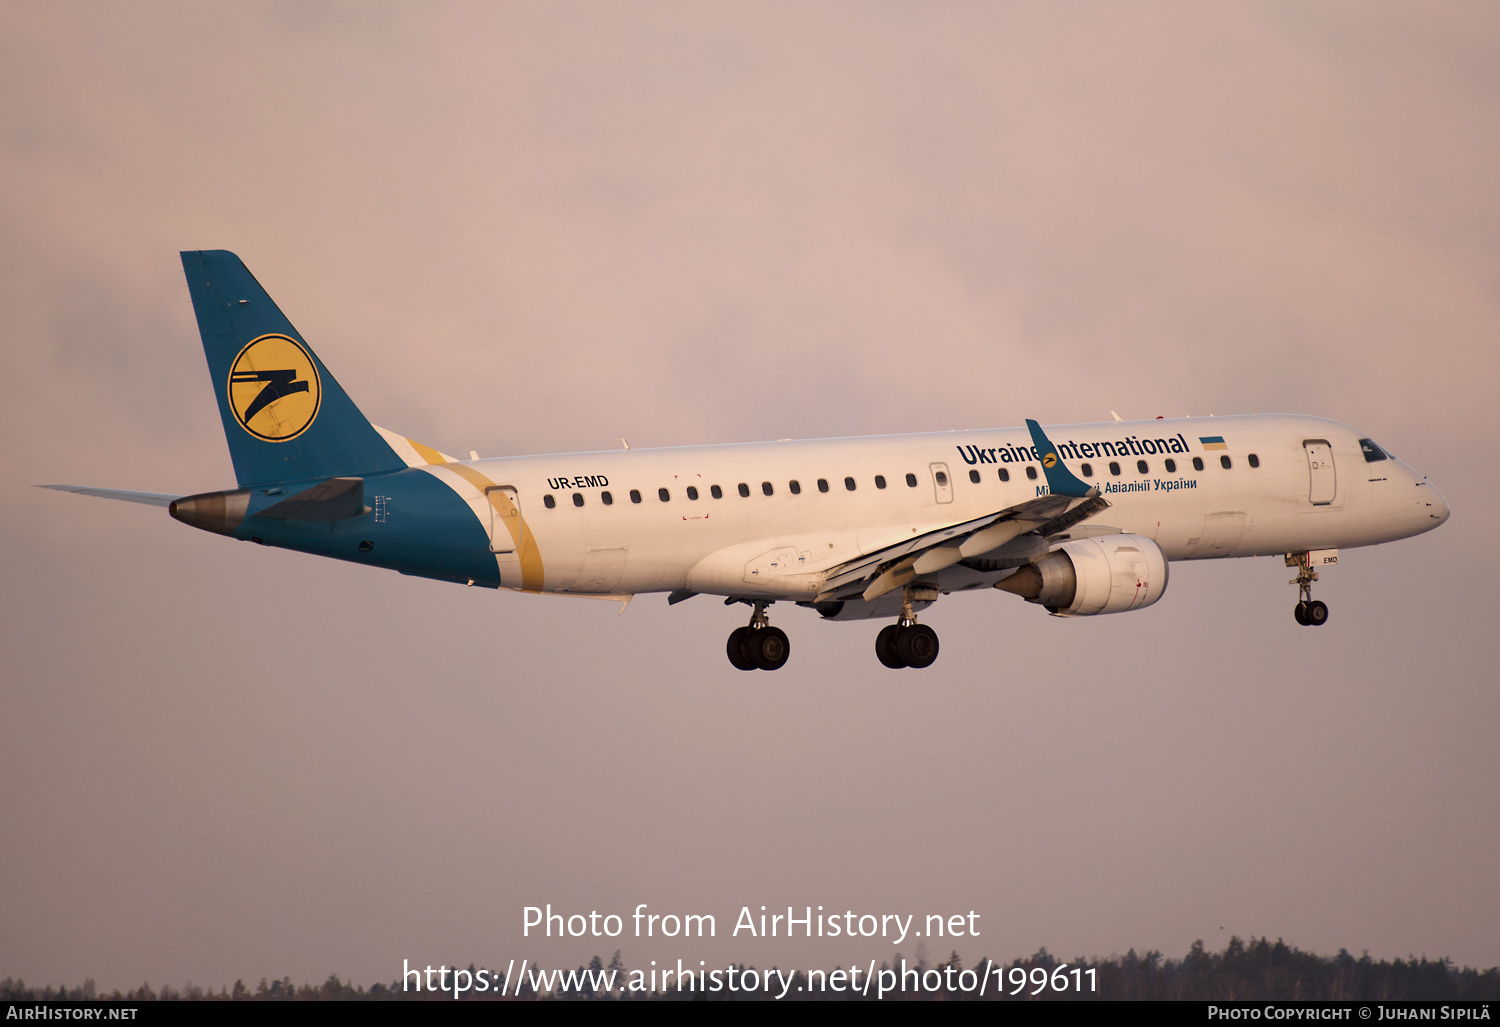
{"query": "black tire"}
(917, 645)
(1300, 612)
(885, 647)
(770, 648)
(1317, 613)
(739, 649)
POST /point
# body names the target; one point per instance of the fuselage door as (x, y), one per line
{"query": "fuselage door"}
(1324, 482)
(505, 518)
(942, 483)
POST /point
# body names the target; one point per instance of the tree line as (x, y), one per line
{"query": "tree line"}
(1258, 970)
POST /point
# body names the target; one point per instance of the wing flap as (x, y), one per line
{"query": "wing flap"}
(871, 575)
(1082, 512)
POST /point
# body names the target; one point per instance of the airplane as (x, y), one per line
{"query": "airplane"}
(1080, 520)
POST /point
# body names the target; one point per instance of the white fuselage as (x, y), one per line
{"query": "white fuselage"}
(1312, 488)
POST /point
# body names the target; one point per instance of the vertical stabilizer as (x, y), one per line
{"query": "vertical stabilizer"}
(285, 417)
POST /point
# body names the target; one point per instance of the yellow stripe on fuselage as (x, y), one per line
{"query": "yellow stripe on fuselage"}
(427, 453)
(530, 556)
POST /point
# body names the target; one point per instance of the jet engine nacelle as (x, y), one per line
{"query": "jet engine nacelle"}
(1102, 574)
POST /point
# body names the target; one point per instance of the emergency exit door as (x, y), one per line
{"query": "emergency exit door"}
(505, 519)
(942, 484)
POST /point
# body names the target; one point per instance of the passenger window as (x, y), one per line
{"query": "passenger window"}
(911, 481)
(577, 499)
(1197, 463)
(849, 482)
(1140, 465)
(765, 487)
(664, 495)
(606, 499)
(1088, 470)
(548, 501)
(744, 490)
(1031, 472)
(1371, 451)
(1005, 474)
(1171, 465)
(1254, 460)
(692, 492)
(822, 484)
(795, 487)
(974, 477)
(941, 478)
(1114, 468)
(635, 495)
(1224, 462)
(716, 492)
(880, 481)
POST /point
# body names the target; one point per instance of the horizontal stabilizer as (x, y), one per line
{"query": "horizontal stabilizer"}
(148, 498)
(337, 499)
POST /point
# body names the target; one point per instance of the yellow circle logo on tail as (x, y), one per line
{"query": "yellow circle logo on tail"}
(274, 389)
(1049, 459)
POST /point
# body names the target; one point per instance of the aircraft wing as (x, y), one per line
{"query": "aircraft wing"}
(149, 498)
(871, 575)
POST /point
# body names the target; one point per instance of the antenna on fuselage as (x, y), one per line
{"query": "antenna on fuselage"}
(1116, 416)
(624, 443)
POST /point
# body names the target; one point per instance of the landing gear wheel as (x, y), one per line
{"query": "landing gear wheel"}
(885, 647)
(917, 645)
(1308, 611)
(769, 647)
(739, 649)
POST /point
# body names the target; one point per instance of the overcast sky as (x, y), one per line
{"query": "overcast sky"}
(541, 227)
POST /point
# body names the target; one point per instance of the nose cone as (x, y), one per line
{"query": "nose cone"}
(1437, 505)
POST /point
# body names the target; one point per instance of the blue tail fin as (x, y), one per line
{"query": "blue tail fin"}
(285, 417)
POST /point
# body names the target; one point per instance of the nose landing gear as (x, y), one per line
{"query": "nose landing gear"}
(758, 646)
(906, 643)
(1308, 612)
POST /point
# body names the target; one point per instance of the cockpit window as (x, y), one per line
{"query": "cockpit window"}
(1371, 451)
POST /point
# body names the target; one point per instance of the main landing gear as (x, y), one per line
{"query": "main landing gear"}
(906, 643)
(758, 646)
(1308, 612)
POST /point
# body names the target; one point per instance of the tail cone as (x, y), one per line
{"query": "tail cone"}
(219, 512)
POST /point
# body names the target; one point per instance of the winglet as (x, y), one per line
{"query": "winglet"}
(1060, 480)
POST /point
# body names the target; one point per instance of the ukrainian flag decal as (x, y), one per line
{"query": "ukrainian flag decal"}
(1212, 441)
(274, 389)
